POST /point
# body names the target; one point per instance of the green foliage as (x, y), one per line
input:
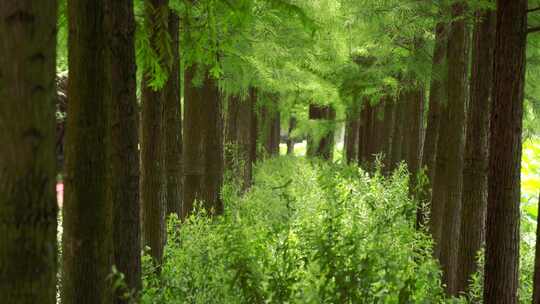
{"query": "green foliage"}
(307, 232)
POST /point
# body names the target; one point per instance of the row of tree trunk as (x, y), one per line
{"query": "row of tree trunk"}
(471, 149)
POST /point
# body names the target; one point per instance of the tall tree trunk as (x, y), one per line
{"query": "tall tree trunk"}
(363, 132)
(28, 209)
(269, 129)
(437, 97)
(87, 221)
(474, 201)
(397, 141)
(404, 99)
(254, 125)
(502, 229)
(536, 282)
(124, 139)
(376, 133)
(290, 140)
(415, 121)
(153, 182)
(351, 135)
(451, 147)
(203, 145)
(238, 140)
(367, 134)
(322, 147)
(172, 114)
(388, 132)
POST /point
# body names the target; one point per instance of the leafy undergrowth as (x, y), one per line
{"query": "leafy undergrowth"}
(307, 232)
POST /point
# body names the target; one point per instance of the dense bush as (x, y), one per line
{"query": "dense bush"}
(307, 232)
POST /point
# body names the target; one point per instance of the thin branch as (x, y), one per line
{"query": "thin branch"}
(533, 29)
(532, 10)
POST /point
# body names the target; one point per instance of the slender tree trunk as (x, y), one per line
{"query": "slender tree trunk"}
(377, 132)
(124, 155)
(351, 135)
(388, 132)
(238, 140)
(172, 114)
(363, 133)
(28, 209)
(322, 147)
(153, 182)
(203, 144)
(415, 113)
(368, 134)
(290, 139)
(536, 282)
(451, 147)
(269, 128)
(397, 142)
(87, 237)
(254, 125)
(474, 201)
(437, 98)
(502, 229)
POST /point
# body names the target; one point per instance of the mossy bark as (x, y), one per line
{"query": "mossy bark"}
(124, 139)
(28, 209)
(87, 213)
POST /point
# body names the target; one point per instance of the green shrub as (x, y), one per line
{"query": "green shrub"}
(307, 232)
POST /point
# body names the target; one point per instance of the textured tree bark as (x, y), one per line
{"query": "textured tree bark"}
(238, 140)
(362, 139)
(502, 229)
(388, 132)
(290, 140)
(87, 213)
(451, 147)
(269, 129)
(254, 125)
(377, 132)
(367, 134)
(437, 97)
(474, 201)
(124, 139)
(404, 99)
(28, 209)
(322, 147)
(397, 142)
(536, 282)
(153, 182)
(203, 144)
(351, 135)
(172, 114)
(415, 122)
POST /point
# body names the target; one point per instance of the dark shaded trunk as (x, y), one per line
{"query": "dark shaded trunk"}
(388, 132)
(124, 139)
(474, 200)
(447, 189)
(153, 182)
(203, 145)
(172, 115)
(437, 97)
(322, 147)
(87, 236)
(536, 280)
(28, 209)
(290, 139)
(376, 133)
(362, 133)
(254, 125)
(404, 99)
(397, 141)
(415, 123)
(352, 127)
(238, 137)
(502, 229)
(269, 128)
(367, 134)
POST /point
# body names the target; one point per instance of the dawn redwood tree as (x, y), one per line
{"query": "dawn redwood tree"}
(87, 213)
(397, 137)
(447, 188)
(474, 200)
(501, 278)
(28, 209)
(238, 139)
(172, 123)
(203, 145)
(123, 151)
(324, 146)
(269, 127)
(153, 182)
(362, 132)
(437, 96)
(536, 279)
(388, 132)
(351, 134)
(290, 140)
